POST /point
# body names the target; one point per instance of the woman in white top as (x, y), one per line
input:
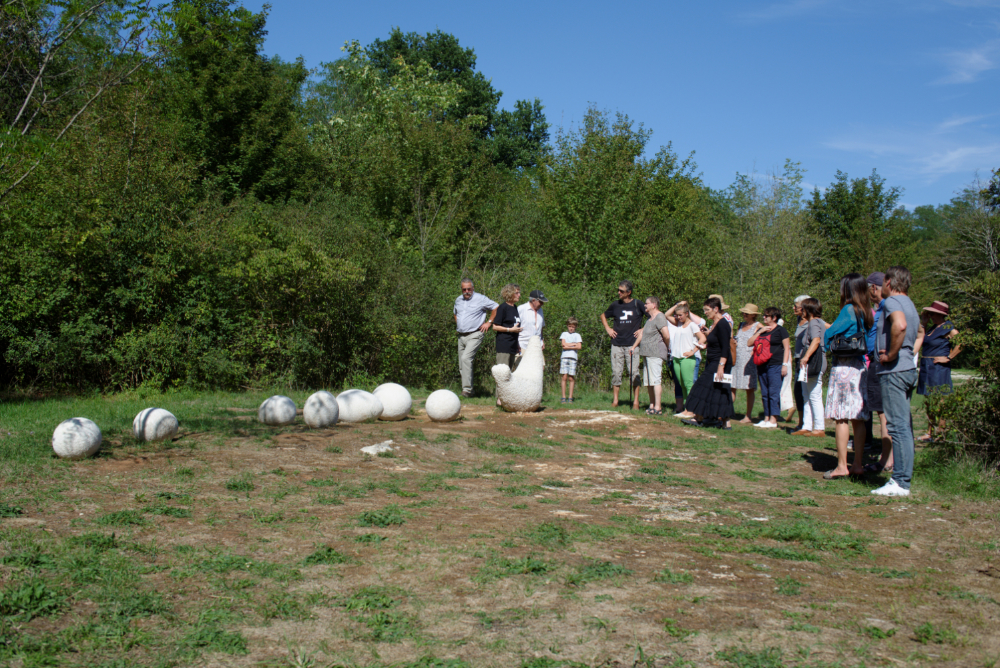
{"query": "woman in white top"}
(686, 339)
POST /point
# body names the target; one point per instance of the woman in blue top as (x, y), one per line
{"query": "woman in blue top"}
(846, 400)
(935, 362)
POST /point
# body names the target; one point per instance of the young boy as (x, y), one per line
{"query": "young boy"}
(571, 342)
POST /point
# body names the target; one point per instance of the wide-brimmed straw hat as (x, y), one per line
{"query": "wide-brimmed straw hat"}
(750, 309)
(719, 297)
(938, 307)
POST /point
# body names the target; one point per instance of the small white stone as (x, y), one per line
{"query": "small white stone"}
(154, 424)
(443, 406)
(373, 450)
(359, 406)
(276, 411)
(76, 438)
(396, 401)
(321, 410)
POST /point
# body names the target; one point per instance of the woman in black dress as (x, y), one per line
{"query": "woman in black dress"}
(710, 400)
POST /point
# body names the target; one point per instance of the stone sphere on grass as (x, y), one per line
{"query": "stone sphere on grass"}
(321, 410)
(359, 406)
(396, 401)
(76, 438)
(443, 406)
(277, 411)
(154, 424)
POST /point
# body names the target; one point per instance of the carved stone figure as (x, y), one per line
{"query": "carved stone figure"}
(521, 391)
(76, 438)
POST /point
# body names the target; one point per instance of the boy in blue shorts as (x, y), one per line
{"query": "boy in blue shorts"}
(571, 342)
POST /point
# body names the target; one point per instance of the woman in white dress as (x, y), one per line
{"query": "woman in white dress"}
(744, 370)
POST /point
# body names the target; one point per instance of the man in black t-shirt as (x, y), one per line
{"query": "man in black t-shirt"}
(626, 314)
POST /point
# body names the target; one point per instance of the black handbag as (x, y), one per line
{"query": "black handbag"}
(815, 363)
(850, 346)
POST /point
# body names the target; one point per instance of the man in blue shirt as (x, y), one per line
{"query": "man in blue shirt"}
(471, 322)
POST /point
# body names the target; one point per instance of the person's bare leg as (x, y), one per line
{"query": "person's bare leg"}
(843, 432)
(652, 397)
(564, 386)
(616, 388)
(858, 468)
(791, 413)
(657, 396)
(572, 386)
(748, 418)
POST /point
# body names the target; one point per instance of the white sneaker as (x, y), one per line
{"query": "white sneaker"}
(765, 424)
(891, 489)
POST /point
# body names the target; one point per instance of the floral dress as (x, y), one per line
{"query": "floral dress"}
(847, 397)
(744, 370)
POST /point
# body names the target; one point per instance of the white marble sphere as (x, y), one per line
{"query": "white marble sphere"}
(276, 411)
(321, 410)
(359, 406)
(154, 424)
(76, 438)
(396, 401)
(443, 406)
(521, 391)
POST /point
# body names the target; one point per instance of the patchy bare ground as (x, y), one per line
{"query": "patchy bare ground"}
(597, 537)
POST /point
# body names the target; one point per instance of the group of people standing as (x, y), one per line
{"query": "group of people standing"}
(870, 348)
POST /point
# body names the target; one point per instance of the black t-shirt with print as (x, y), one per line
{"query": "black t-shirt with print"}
(626, 320)
(507, 317)
(778, 334)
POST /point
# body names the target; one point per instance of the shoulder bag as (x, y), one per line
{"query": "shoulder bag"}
(850, 346)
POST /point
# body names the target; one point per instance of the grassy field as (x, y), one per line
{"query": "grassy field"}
(576, 536)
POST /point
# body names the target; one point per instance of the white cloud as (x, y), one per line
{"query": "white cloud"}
(959, 121)
(926, 152)
(966, 65)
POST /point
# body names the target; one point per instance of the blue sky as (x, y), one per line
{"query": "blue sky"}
(910, 87)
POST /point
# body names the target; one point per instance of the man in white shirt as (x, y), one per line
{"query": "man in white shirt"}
(532, 320)
(471, 323)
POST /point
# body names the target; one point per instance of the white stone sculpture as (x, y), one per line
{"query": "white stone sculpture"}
(76, 438)
(154, 424)
(521, 391)
(359, 406)
(321, 410)
(396, 401)
(443, 406)
(276, 411)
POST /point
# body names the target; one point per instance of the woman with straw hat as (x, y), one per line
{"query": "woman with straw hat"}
(744, 370)
(935, 363)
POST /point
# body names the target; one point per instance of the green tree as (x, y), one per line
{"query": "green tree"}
(58, 59)
(236, 108)
(992, 191)
(520, 137)
(859, 220)
(604, 202)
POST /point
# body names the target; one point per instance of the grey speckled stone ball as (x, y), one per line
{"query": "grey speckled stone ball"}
(76, 438)
(276, 411)
(321, 410)
(154, 424)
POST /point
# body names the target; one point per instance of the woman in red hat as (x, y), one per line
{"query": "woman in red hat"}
(937, 354)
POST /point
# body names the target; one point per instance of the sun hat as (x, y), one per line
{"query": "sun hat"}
(938, 307)
(719, 297)
(750, 309)
(537, 294)
(876, 278)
